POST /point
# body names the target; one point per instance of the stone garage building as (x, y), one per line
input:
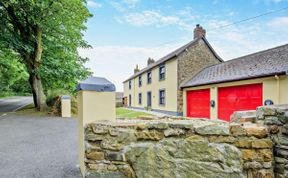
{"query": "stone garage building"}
(239, 84)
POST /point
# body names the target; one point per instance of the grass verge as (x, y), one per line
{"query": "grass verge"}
(127, 113)
(31, 111)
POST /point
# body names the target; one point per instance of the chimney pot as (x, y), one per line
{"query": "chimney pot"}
(150, 61)
(199, 32)
(136, 69)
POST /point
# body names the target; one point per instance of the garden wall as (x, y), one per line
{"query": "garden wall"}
(177, 147)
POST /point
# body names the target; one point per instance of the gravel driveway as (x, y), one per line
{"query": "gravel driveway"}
(34, 147)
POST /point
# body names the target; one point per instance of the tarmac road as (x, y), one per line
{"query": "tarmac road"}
(38, 147)
(14, 103)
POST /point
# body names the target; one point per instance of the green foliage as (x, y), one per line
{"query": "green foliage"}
(29, 26)
(13, 75)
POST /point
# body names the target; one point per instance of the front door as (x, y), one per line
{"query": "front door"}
(149, 99)
(129, 100)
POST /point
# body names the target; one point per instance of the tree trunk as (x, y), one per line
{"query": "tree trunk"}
(38, 93)
(34, 63)
(33, 91)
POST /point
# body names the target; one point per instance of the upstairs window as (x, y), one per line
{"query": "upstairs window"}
(149, 77)
(161, 97)
(162, 72)
(140, 81)
(130, 85)
(140, 98)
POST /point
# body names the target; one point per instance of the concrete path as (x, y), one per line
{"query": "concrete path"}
(149, 112)
(34, 147)
(14, 103)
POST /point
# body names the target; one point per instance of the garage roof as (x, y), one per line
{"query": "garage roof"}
(264, 63)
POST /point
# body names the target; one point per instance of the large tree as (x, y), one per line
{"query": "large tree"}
(12, 73)
(45, 34)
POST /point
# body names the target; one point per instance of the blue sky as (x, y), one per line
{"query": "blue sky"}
(124, 33)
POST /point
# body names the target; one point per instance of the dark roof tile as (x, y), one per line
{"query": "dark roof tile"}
(174, 54)
(264, 63)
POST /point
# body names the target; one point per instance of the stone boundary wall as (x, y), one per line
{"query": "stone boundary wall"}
(183, 148)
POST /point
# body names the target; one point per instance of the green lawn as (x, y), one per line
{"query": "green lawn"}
(126, 113)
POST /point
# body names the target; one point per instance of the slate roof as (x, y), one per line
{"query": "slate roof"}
(270, 62)
(96, 84)
(174, 54)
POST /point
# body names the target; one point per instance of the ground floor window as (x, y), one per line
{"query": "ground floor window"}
(130, 98)
(162, 97)
(140, 98)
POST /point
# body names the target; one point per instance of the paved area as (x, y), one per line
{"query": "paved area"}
(14, 103)
(149, 112)
(33, 147)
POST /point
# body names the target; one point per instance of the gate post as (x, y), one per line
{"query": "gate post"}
(96, 101)
(65, 106)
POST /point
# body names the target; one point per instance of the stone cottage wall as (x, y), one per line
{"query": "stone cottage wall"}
(190, 148)
(196, 58)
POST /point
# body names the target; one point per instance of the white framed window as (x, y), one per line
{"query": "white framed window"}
(162, 71)
(149, 77)
(140, 98)
(162, 97)
(140, 81)
(130, 84)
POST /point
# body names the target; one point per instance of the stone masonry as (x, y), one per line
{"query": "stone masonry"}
(275, 119)
(196, 58)
(179, 148)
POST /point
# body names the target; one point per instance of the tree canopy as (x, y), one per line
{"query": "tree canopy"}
(44, 35)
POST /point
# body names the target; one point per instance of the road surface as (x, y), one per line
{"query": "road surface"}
(38, 147)
(14, 103)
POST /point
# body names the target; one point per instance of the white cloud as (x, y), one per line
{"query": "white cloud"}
(123, 5)
(117, 6)
(117, 63)
(231, 13)
(241, 39)
(93, 4)
(276, 1)
(183, 19)
(279, 22)
(147, 18)
(131, 3)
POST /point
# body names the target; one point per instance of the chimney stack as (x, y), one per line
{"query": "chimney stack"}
(136, 69)
(150, 61)
(199, 32)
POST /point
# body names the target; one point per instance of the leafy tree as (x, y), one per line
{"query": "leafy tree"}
(12, 73)
(45, 35)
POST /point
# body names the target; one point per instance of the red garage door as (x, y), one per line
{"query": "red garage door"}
(198, 103)
(238, 98)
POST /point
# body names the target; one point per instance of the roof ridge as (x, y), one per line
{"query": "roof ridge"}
(248, 55)
(162, 58)
(252, 54)
(252, 65)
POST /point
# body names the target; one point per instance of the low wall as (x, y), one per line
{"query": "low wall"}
(189, 148)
